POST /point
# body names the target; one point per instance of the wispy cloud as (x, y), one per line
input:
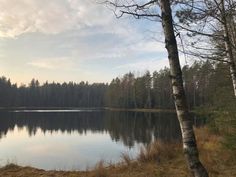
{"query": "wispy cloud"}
(149, 64)
(50, 17)
(148, 46)
(52, 63)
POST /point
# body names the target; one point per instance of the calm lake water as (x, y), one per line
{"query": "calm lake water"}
(78, 139)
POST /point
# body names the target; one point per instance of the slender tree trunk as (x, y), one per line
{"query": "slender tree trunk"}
(186, 124)
(232, 29)
(149, 99)
(134, 94)
(228, 47)
(194, 93)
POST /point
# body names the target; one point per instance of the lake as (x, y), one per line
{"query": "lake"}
(79, 139)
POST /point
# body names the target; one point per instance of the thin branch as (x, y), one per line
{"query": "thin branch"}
(204, 57)
(140, 15)
(198, 32)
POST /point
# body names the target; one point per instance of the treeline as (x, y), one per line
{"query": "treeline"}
(51, 94)
(206, 83)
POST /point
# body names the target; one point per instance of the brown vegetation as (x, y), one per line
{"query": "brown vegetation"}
(156, 160)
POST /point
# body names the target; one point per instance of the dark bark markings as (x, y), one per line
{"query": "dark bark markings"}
(189, 141)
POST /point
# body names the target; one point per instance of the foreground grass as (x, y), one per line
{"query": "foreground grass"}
(156, 160)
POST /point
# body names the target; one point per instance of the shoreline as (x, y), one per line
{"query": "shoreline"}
(139, 109)
(88, 108)
(50, 108)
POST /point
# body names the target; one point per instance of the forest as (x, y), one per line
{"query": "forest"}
(206, 83)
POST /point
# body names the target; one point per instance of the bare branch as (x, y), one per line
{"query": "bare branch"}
(134, 9)
(198, 32)
(205, 57)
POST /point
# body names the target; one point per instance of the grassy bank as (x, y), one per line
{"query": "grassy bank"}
(156, 160)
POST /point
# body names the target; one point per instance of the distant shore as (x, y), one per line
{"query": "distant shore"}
(88, 108)
(51, 108)
(139, 109)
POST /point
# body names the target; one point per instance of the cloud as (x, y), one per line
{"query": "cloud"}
(116, 47)
(52, 63)
(92, 25)
(85, 33)
(149, 46)
(152, 64)
(49, 16)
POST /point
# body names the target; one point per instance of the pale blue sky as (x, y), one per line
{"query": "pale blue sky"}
(74, 40)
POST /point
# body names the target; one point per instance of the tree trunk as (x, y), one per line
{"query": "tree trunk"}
(186, 124)
(228, 47)
(134, 94)
(232, 29)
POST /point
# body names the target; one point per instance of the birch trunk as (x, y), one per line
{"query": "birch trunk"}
(186, 124)
(228, 47)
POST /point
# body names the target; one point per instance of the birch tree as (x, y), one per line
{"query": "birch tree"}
(160, 11)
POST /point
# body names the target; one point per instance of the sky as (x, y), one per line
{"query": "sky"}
(75, 40)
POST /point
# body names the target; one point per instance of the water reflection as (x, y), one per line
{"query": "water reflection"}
(76, 140)
(128, 127)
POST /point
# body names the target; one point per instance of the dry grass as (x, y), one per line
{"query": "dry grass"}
(220, 161)
(126, 158)
(156, 160)
(100, 170)
(158, 151)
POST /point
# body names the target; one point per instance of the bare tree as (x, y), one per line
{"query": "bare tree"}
(161, 11)
(210, 21)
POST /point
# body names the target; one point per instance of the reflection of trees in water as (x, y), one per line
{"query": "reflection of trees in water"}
(49, 122)
(140, 127)
(128, 127)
